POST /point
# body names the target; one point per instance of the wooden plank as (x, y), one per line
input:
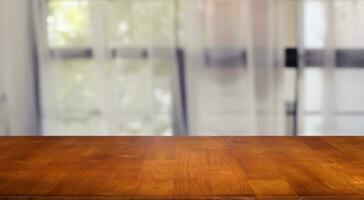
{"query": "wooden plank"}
(304, 168)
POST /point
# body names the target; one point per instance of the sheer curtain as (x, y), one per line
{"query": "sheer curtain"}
(117, 71)
(143, 67)
(331, 93)
(234, 66)
(18, 113)
(107, 66)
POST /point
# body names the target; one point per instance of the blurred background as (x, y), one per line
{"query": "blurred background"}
(181, 67)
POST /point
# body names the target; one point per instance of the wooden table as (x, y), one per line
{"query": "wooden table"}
(292, 168)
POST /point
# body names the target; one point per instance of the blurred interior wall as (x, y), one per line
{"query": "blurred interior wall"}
(17, 67)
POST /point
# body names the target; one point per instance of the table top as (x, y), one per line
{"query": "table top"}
(252, 167)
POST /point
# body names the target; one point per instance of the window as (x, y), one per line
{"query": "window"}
(110, 67)
(333, 80)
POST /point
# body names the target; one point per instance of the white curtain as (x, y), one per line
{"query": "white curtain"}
(112, 72)
(331, 93)
(18, 113)
(234, 66)
(233, 60)
(112, 67)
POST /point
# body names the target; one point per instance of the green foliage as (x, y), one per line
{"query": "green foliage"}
(127, 22)
(68, 23)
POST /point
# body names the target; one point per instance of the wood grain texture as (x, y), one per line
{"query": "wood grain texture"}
(286, 168)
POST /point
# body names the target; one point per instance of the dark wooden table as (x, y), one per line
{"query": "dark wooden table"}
(190, 167)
